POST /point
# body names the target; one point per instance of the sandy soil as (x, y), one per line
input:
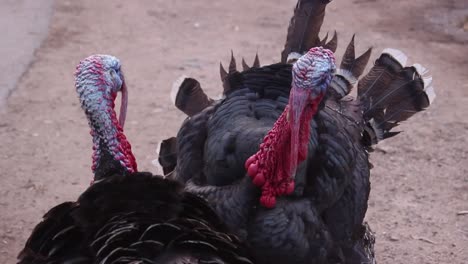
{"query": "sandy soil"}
(24, 26)
(420, 179)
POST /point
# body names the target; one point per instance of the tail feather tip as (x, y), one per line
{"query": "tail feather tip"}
(348, 75)
(398, 55)
(430, 93)
(420, 69)
(427, 79)
(176, 87)
(155, 162)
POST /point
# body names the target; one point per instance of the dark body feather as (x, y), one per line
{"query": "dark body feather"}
(332, 185)
(137, 217)
(322, 221)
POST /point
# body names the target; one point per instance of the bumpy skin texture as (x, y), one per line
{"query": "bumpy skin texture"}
(126, 216)
(137, 217)
(314, 225)
(98, 79)
(273, 167)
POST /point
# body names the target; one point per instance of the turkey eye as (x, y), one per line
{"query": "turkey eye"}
(113, 73)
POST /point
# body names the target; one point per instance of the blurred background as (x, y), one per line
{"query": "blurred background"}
(419, 198)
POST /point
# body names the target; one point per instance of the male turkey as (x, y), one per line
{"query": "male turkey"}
(126, 216)
(303, 140)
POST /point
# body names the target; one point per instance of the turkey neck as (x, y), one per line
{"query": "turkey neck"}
(273, 167)
(111, 151)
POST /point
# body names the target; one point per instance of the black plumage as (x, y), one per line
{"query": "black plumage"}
(304, 28)
(136, 217)
(323, 221)
(127, 216)
(332, 186)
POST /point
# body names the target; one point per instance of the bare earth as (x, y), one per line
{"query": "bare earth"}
(420, 179)
(24, 26)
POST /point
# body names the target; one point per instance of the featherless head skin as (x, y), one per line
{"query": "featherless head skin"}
(98, 79)
(314, 70)
(273, 167)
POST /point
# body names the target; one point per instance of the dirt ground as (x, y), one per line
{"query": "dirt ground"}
(24, 26)
(420, 179)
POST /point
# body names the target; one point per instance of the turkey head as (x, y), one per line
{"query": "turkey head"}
(273, 167)
(98, 79)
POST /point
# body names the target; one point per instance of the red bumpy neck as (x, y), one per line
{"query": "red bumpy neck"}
(112, 136)
(270, 168)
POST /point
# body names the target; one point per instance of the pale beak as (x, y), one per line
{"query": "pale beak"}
(123, 105)
(298, 101)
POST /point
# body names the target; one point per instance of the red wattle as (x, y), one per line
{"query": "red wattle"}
(268, 200)
(259, 180)
(249, 161)
(253, 169)
(270, 168)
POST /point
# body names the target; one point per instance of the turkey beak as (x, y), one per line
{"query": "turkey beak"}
(298, 102)
(123, 105)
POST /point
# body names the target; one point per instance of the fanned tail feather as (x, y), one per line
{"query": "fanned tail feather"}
(188, 96)
(350, 70)
(398, 55)
(156, 163)
(167, 155)
(256, 63)
(332, 44)
(226, 76)
(176, 87)
(244, 65)
(222, 72)
(391, 93)
(355, 65)
(232, 63)
(304, 27)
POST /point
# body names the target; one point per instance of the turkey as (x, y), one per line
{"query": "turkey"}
(283, 158)
(126, 216)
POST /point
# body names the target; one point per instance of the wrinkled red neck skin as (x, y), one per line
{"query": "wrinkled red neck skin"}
(123, 146)
(273, 167)
(128, 159)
